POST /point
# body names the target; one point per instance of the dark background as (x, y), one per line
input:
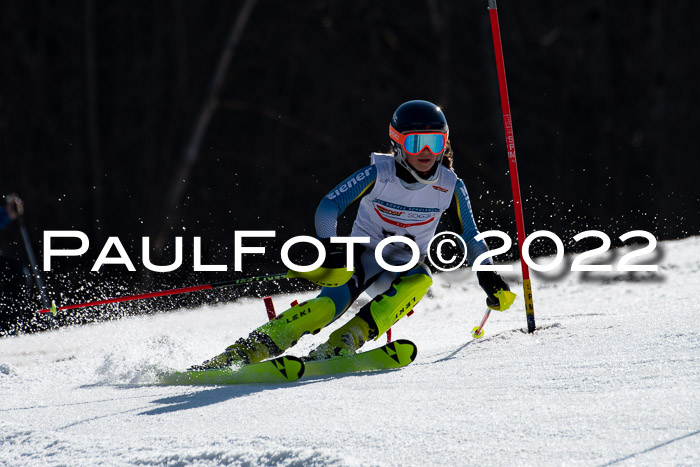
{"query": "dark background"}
(100, 104)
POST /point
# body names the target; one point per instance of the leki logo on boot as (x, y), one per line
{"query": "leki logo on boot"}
(296, 316)
(407, 307)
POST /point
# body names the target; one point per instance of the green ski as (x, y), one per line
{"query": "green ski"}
(278, 370)
(287, 369)
(396, 354)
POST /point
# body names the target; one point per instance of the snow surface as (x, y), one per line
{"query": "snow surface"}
(612, 377)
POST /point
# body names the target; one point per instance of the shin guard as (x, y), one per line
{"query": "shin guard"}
(305, 318)
(395, 303)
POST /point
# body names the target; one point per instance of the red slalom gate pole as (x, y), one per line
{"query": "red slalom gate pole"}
(512, 162)
(214, 285)
(270, 308)
(128, 298)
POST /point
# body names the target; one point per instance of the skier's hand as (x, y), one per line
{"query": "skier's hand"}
(498, 294)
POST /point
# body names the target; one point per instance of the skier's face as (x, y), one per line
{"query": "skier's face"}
(422, 161)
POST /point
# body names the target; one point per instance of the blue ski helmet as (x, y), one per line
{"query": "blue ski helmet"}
(418, 116)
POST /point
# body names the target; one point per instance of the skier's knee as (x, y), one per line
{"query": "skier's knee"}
(420, 268)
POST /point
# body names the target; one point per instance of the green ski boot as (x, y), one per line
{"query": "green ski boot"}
(345, 341)
(274, 337)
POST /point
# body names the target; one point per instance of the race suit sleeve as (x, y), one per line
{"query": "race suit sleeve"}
(460, 213)
(349, 191)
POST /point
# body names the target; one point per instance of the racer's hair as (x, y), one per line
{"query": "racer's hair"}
(448, 156)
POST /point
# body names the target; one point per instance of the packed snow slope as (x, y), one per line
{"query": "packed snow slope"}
(611, 377)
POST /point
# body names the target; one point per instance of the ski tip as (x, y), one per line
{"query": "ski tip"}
(295, 367)
(53, 310)
(477, 333)
(275, 371)
(291, 368)
(406, 342)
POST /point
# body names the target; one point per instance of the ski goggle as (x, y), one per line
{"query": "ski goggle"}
(413, 143)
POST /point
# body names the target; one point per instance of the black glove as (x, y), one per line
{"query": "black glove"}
(491, 282)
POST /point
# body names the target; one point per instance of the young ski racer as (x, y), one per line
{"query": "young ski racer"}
(399, 194)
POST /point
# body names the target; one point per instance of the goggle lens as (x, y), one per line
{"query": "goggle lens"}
(414, 143)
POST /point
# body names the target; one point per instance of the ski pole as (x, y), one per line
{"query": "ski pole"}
(505, 300)
(510, 144)
(30, 253)
(478, 331)
(215, 285)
